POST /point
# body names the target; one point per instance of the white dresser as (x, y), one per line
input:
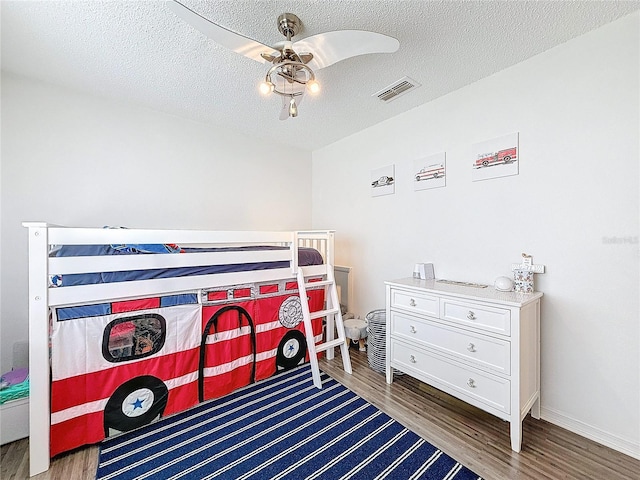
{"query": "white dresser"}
(477, 344)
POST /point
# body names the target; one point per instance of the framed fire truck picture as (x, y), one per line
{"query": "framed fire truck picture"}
(429, 172)
(498, 157)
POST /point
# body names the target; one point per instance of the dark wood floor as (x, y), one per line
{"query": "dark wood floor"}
(474, 438)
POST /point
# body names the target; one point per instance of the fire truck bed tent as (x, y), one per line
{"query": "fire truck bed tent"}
(224, 248)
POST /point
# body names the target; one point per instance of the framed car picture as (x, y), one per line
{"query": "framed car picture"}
(383, 181)
(430, 172)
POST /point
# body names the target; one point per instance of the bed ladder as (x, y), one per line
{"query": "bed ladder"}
(333, 316)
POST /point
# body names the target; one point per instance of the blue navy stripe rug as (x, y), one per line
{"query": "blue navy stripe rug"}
(279, 428)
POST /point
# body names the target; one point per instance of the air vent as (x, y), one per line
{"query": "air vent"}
(396, 89)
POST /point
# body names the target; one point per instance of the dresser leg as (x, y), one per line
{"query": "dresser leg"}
(535, 409)
(389, 374)
(516, 436)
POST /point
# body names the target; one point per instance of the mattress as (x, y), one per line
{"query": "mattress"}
(306, 257)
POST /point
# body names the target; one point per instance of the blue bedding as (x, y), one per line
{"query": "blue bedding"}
(306, 257)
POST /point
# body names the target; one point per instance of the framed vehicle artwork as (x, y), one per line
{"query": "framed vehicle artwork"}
(498, 157)
(430, 172)
(383, 181)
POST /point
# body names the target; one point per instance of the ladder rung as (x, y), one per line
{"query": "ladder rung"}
(324, 313)
(321, 347)
(320, 283)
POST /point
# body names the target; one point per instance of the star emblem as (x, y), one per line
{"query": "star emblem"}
(137, 404)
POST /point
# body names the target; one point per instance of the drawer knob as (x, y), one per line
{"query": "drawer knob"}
(412, 302)
(471, 315)
(471, 382)
(471, 347)
(413, 329)
(412, 359)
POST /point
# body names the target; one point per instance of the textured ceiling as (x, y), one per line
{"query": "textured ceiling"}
(139, 52)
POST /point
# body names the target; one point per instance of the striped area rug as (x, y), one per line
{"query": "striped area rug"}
(279, 428)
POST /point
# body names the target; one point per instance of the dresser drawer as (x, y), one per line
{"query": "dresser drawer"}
(455, 378)
(492, 319)
(484, 351)
(415, 302)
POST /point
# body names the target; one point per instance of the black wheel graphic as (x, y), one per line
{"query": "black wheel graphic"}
(135, 403)
(292, 349)
(507, 159)
(485, 163)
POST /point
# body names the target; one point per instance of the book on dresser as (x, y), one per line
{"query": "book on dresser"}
(477, 344)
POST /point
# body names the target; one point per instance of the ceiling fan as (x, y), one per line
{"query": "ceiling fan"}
(292, 72)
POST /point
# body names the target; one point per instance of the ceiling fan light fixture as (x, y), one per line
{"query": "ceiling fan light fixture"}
(293, 108)
(266, 87)
(288, 70)
(313, 86)
(290, 79)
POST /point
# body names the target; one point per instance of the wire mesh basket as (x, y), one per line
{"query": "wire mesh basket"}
(377, 340)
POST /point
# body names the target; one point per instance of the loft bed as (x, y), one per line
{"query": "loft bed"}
(141, 300)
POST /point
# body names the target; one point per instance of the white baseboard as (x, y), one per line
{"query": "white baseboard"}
(623, 445)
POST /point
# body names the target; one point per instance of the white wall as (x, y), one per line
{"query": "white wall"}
(73, 159)
(577, 110)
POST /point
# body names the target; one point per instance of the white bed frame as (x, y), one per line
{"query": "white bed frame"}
(41, 297)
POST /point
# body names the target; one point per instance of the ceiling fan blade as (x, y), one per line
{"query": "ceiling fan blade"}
(331, 47)
(222, 36)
